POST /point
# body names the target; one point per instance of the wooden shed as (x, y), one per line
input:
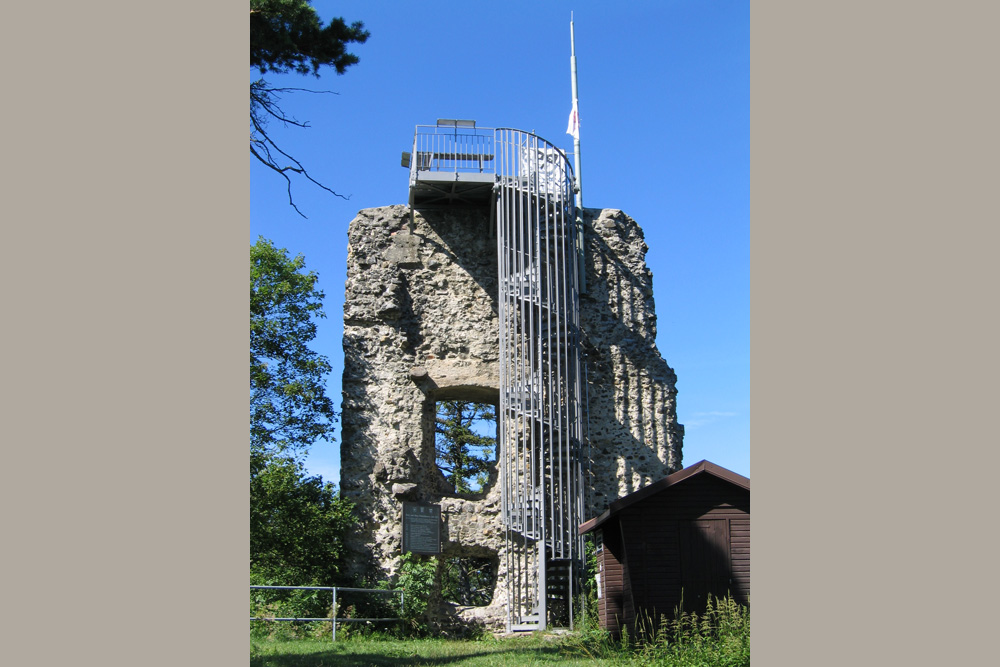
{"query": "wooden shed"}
(687, 532)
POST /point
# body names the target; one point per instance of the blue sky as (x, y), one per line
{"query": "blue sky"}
(665, 136)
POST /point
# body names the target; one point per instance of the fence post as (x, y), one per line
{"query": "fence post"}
(333, 616)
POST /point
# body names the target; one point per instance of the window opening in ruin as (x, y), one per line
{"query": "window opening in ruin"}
(468, 581)
(465, 444)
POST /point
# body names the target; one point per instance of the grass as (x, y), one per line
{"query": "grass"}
(363, 651)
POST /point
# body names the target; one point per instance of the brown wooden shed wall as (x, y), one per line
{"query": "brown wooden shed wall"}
(695, 535)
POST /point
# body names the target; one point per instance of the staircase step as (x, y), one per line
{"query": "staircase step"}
(524, 627)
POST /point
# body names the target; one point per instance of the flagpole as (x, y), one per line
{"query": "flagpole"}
(576, 160)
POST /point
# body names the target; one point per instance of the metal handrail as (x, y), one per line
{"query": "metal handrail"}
(452, 149)
(333, 606)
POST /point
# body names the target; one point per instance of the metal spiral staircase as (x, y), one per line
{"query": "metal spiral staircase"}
(528, 184)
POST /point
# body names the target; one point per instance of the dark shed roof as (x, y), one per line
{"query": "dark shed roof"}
(702, 467)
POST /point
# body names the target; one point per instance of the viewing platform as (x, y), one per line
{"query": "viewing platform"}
(452, 162)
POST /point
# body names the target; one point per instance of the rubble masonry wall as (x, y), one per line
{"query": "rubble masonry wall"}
(421, 325)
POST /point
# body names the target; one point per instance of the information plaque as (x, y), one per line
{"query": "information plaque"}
(421, 528)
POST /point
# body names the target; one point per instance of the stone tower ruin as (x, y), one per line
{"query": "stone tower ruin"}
(491, 286)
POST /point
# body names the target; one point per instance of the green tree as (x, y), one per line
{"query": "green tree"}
(289, 408)
(297, 523)
(297, 528)
(287, 36)
(463, 452)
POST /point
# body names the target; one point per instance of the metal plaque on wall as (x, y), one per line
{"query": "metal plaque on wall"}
(421, 528)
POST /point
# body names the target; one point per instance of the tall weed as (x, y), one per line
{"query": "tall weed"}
(720, 637)
(416, 577)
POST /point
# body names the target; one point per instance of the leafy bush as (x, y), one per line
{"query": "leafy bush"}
(416, 578)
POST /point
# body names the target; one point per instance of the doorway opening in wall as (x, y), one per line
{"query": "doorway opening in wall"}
(468, 581)
(465, 445)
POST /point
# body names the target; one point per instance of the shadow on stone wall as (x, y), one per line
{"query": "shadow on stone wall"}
(479, 256)
(634, 435)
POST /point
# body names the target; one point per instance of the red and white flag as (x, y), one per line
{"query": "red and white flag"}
(574, 122)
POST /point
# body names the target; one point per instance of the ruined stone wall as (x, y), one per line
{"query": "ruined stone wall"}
(634, 435)
(421, 325)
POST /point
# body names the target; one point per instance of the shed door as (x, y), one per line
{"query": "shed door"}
(704, 548)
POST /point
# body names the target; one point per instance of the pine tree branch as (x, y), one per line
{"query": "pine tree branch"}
(263, 104)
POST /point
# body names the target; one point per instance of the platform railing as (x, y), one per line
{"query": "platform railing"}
(452, 148)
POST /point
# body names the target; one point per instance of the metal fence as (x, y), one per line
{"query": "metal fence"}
(333, 604)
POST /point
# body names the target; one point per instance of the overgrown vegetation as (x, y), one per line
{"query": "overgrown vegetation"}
(416, 578)
(720, 637)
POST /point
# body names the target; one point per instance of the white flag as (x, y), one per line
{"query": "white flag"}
(545, 168)
(574, 122)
